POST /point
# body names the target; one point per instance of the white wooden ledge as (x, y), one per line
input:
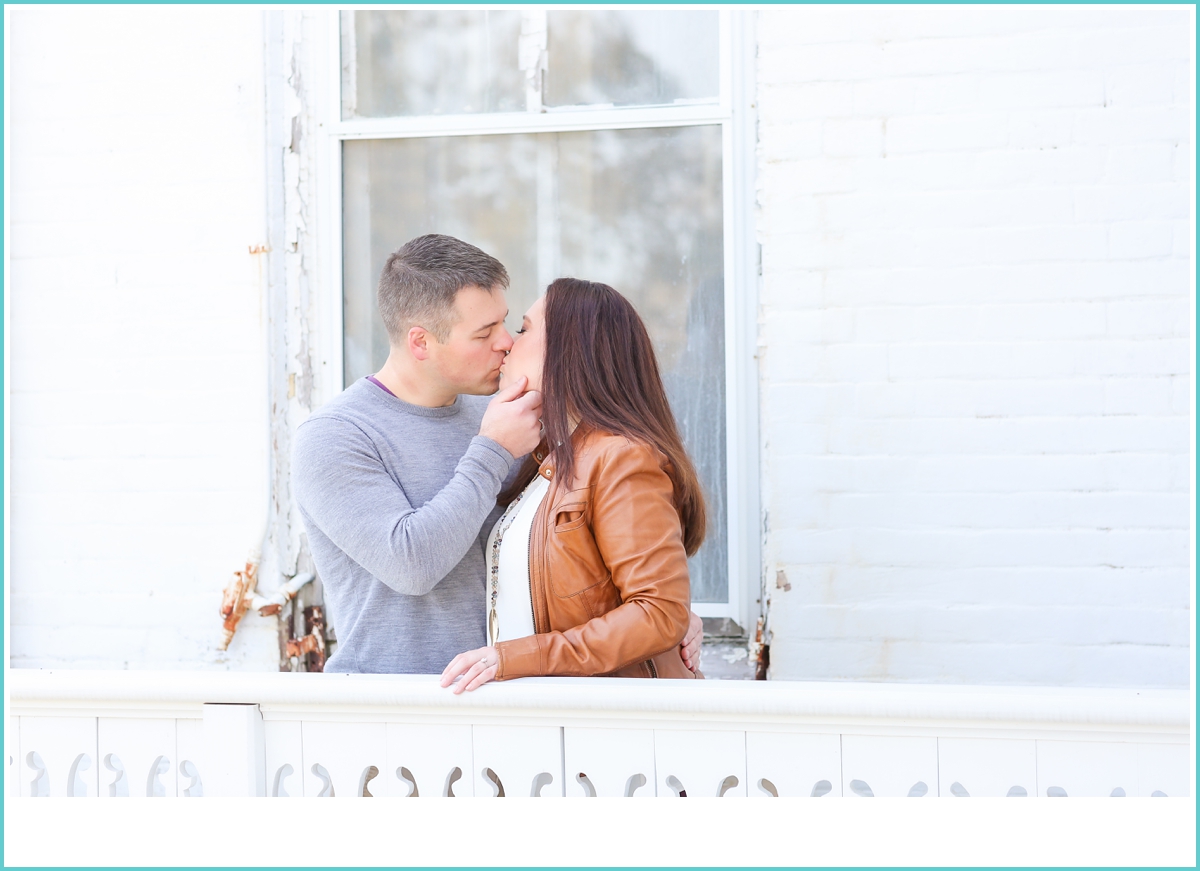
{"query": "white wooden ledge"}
(110, 734)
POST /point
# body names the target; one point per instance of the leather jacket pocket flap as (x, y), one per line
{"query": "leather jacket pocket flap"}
(569, 515)
(571, 509)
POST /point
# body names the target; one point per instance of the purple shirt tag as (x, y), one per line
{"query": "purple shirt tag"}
(379, 384)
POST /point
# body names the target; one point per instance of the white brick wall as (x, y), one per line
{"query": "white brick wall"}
(976, 327)
(137, 398)
(976, 362)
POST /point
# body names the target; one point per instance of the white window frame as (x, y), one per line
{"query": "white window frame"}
(734, 112)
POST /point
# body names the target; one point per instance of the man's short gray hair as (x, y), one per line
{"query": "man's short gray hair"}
(420, 282)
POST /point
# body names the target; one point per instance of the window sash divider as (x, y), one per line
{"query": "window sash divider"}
(521, 122)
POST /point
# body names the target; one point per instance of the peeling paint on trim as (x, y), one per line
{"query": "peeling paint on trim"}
(289, 252)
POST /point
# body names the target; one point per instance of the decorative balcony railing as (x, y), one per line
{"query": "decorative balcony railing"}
(190, 734)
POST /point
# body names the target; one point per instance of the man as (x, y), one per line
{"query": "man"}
(397, 477)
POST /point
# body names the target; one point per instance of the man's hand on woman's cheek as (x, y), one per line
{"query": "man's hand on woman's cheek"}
(514, 418)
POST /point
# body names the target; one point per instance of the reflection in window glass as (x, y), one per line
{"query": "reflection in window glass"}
(631, 57)
(638, 209)
(442, 62)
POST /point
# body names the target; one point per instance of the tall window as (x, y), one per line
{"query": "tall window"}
(591, 144)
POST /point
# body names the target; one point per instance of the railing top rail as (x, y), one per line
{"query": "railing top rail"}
(746, 700)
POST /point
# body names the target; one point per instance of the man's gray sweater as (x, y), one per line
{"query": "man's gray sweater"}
(394, 497)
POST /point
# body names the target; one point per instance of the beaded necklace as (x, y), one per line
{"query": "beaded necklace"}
(502, 525)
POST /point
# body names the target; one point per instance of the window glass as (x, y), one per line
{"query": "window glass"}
(638, 209)
(452, 62)
(432, 62)
(629, 57)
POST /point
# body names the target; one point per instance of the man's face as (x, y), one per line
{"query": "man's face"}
(469, 360)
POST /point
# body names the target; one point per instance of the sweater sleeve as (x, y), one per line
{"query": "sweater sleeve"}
(343, 487)
(637, 532)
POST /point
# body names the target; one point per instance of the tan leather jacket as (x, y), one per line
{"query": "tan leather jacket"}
(608, 573)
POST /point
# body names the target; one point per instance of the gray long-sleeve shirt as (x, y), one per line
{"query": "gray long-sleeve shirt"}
(394, 497)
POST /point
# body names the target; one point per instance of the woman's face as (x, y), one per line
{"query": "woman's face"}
(528, 350)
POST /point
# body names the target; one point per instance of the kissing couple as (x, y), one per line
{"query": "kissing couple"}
(544, 531)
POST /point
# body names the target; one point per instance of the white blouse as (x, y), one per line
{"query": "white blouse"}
(509, 605)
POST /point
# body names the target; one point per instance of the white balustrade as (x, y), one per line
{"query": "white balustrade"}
(233, 750)
(61, 756)
(609, 762)
(339, 757)
(791, 764)
(12, 755)
(284, 758)
(429, 761)
(1164, 769)
(196, 734)
(877, 765)
(704, 763)
(189, 746)
(1092, 768)
(517, 760)
(1003, 767)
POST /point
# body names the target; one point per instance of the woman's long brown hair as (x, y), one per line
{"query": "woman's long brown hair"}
(600, 368)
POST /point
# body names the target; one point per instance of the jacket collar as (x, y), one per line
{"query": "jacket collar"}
(544, 457)
(541, 456)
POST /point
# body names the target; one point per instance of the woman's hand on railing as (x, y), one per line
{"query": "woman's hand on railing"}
(689, 649)
(471, 669)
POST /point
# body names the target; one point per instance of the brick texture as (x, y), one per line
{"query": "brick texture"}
(976, 357)
(975, 339)
(137, 364)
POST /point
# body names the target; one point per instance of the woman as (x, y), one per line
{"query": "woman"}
(587, 568)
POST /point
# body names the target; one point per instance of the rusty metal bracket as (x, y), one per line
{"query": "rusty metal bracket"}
(241, 595)
(235, 601)
(762, 650)
(312, 645)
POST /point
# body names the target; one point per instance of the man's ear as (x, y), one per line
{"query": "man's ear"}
(418, 343)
